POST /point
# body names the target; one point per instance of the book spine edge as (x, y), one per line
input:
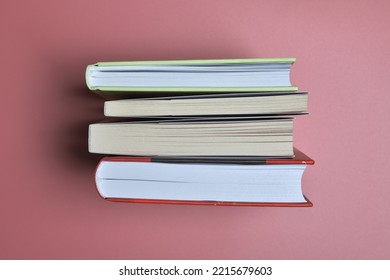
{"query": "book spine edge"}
(212, 203)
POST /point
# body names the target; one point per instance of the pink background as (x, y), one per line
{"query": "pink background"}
(49, 206)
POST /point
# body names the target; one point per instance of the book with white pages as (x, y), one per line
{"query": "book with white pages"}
(130, 79)
(267, 182)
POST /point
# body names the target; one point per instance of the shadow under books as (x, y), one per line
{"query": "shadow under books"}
(68, 140)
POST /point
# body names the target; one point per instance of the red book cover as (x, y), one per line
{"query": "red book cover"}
(299, 158)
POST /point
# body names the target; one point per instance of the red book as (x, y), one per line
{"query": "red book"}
(221, 181)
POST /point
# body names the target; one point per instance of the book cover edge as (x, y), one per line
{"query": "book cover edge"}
(199, 61)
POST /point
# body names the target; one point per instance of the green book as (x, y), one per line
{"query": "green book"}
(127, 79)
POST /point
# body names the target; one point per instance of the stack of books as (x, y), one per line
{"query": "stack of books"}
(208, 132)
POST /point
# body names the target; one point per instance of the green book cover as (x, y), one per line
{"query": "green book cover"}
(129, 91)
(198, 61)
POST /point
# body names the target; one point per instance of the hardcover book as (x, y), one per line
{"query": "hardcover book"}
(149, 78)
(261, 182)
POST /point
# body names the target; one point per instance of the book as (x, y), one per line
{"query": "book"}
(245, 136)
(266, 182)
(149, 78)
(216, 104)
